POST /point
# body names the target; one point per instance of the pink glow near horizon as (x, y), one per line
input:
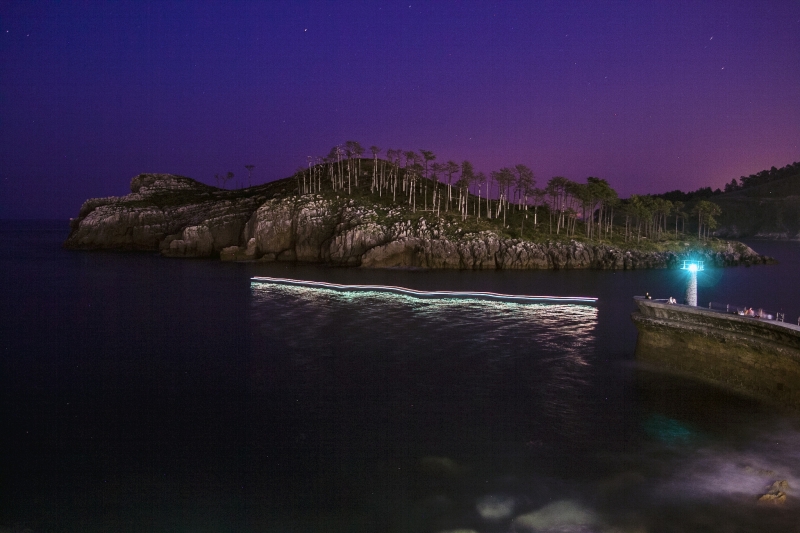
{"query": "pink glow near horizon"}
(650, 96)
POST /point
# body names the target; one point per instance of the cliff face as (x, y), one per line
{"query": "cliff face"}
(179, 216)
(184, 218)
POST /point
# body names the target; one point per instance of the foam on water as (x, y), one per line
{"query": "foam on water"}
(560, 516)
(744, 471)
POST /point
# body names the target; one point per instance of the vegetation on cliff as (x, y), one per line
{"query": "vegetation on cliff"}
(379, 212)
(590, 211)
(407, 209)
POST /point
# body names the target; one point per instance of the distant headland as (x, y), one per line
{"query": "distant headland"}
(373, 212)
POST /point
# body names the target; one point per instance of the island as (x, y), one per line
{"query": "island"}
(373, 214)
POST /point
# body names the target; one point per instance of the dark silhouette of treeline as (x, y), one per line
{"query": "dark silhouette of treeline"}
(592, 210)
(765, 176)
(745, 182)
(507, 197)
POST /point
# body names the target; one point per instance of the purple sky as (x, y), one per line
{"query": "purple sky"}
(652, 96)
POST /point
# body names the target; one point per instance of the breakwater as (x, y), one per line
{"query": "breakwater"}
(753, 356)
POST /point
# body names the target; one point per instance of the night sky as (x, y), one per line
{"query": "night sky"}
(651, 96)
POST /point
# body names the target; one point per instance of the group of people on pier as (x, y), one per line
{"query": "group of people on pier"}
(748, 311)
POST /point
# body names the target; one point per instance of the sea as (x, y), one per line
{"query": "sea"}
(141, 393)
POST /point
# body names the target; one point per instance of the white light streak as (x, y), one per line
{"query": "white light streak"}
(520, 298)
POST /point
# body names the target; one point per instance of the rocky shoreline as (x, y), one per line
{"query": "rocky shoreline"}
(181, 217)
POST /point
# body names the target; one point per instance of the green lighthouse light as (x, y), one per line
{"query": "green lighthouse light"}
(691, 288)
(692, 266)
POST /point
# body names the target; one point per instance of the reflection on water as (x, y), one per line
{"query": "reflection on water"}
(491, 416)
(668, 430)
(176, 396)
(477, 341)
(573, 320)
(442, 401)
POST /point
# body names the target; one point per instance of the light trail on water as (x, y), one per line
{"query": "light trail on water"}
(519, 298)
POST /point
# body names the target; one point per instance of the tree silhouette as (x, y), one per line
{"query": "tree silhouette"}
(676, 207)
(480, 179)
(706, 211)
(249, 173)
(524, 184)
(438, 168)
(427, 156)
(504, 178)
(467, 177)
(557, 189)
(375, 151)
(638, 208)
(413, 173)
(538, 197)
(661, 210)
(604, 198)
(450, 168)
(358, 151)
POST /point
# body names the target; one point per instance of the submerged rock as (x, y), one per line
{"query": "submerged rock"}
(759, 471)
(494, 507)
(434, 465)
(563, 516)
(773, 498)
(775, 495)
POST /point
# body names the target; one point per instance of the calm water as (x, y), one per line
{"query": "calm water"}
(146, 394)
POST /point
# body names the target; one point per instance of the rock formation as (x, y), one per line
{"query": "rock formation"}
(179, 216)
(776, 494)
(184, 218)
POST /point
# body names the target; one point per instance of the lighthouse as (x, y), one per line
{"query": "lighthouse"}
(692, 267)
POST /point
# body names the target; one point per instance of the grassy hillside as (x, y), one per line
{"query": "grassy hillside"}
(515, 220)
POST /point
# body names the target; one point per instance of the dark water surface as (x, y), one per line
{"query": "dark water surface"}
(146, 394)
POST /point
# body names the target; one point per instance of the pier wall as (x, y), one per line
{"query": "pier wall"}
(756, 357)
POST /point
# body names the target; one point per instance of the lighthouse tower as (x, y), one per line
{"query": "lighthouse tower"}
(692, 267)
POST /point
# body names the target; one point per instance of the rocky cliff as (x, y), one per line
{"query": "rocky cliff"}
(184, 218)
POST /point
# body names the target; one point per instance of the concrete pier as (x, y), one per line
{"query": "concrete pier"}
(754, 356)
